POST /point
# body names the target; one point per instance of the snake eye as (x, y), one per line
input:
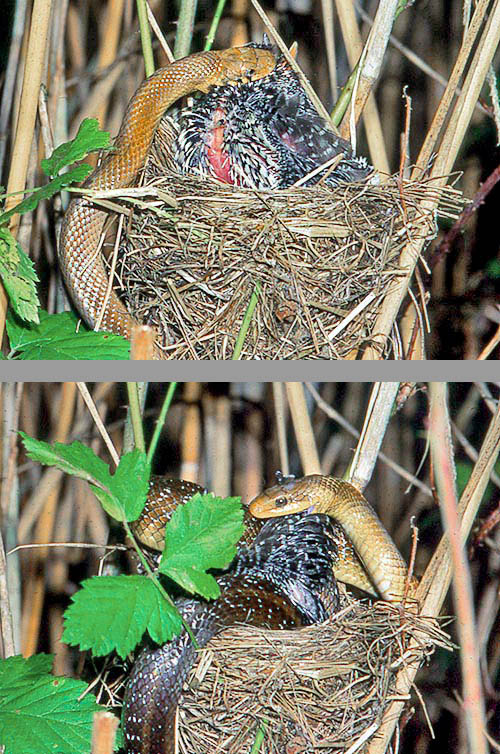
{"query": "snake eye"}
(280, 502)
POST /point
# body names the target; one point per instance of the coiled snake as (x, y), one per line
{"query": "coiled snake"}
(272, 584)
(79, 256)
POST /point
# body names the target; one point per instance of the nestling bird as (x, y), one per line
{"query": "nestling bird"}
(265, 135)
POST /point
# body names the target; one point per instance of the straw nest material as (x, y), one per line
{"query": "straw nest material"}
(321, 260)
(322, 688)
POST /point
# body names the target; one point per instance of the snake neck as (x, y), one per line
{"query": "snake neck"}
(283, 581)
(349, 508)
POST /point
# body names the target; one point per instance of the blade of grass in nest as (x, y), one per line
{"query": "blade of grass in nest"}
(259, 737)
(246, 321)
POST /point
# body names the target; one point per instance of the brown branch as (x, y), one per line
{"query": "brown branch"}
(444, 247)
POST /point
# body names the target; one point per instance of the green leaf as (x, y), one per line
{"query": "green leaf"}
(113, 612)
(493, 269)
(122, 494)
(88, 139)
(201, 534)
(41, 713)
(19, 277)
(129, 487)
(76, 175)
(55, 338)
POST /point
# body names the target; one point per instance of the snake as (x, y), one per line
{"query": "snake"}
(80, 259)
(280, 581)
(347, 506)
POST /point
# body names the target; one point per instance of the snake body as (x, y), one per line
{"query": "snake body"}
(79, 256)
(283, 580)
(349, 508)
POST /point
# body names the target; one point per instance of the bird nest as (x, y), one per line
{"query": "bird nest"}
(319, 688)
(305, 268)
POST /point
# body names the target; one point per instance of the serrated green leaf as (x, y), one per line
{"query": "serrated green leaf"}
(40, 713)
(201, 534)
(19, 277)
(56, 338)
(88, 139)
(122, 494)
(75, 175)
(113, 612)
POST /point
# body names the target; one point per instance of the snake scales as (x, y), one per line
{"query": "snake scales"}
(283, 579)
(79, 255)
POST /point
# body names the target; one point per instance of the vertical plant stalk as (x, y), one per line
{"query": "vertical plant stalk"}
(104, 728)
(145, 31)
(302, 426)
(444, 470)
(215, 24)
(112, 17)
(135, 414)
(373, 53)
(448, 150)
(34, 67)
(160, 422)
(185, 26)
(34, 593)
(354, 47)
(329, 34)
(435, 582)
(11, 396)
(9, 83)
(377, 418)
(280, 420)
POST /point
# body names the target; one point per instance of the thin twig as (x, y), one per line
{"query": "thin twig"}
(435, 582)
(444, 469)
(89, 402)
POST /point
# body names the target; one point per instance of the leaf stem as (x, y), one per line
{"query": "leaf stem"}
(145, 30)
(160, 422)
(157, 583)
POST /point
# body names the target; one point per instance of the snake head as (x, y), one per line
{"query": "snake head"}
(243, 64)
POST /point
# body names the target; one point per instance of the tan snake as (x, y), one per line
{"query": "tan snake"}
(79, 256)
(349, 508)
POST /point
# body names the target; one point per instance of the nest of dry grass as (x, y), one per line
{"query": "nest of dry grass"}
(321, 260)
(322, 688)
